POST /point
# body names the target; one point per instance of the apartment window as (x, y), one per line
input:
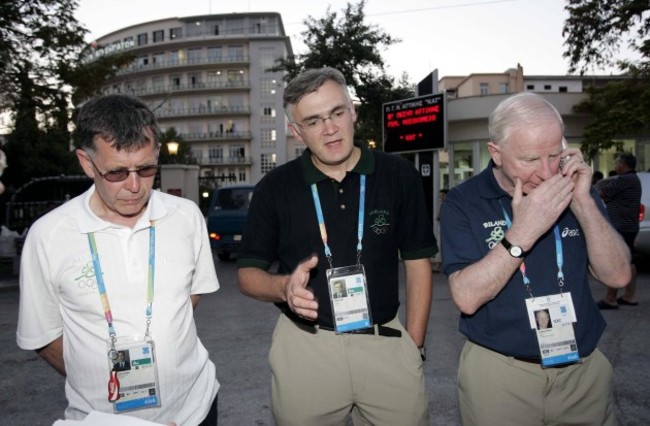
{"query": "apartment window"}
(563, 89)
(143, 60)
(267, 57)
(142, 39)
(128, 39)
(194, 56)
(158, 58)
(547, 87)
(214, 53)
(158, 36)
(267, 162)
(216, 152)
(195, 81)
(175, 33)
(267, 138)
(242, 175)
(215, 29)
(503, 87)
(530, 87)
(484, 89)
(176, 82)
(268, 111)
(236, 53)
(158, 83)
(237, 151)
(173, 57)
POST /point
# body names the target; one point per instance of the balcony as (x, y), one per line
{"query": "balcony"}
(215, 136)
(202, 111)
(187, 88)
(174, 65)
(225, 161)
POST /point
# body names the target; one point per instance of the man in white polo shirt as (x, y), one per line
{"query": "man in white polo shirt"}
(113, 276)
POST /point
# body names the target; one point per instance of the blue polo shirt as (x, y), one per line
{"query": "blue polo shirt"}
(473, 223)
(282, 226)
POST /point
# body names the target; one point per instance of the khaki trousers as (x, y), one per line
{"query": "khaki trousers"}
(321, 378)
(494, 389)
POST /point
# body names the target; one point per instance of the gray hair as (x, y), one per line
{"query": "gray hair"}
(308, 82)
(121, 120)
(520, 111)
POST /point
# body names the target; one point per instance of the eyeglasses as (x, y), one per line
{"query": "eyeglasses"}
(316, 124)
(120, 175)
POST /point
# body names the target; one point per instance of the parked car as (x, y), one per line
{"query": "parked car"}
(642, 243)
(227, 217)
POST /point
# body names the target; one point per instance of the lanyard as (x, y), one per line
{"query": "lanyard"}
(321, 219)
(99, 276)
(559, 257)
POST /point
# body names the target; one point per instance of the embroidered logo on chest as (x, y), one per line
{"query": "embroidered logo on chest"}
(379, 221)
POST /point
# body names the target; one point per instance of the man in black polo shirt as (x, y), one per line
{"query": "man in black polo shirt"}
(341, 212)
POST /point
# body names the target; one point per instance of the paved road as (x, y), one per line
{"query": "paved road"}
(237, 332)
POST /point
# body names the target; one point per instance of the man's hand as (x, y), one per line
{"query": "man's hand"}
(300, 299)
(580, 173)
(535, 213)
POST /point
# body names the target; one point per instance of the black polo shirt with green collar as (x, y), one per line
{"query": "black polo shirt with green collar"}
(282, 226)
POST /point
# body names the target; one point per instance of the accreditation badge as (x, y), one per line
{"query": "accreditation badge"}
(133, 383)
(349, 298)
(552, 318)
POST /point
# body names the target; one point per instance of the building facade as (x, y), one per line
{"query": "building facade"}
(207, 77)
(471, 99)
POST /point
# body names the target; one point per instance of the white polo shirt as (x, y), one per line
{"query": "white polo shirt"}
(59, 296)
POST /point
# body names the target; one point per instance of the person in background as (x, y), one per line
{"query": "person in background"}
(622, 196)
(340, 212)
(519, 237)
(120, 269)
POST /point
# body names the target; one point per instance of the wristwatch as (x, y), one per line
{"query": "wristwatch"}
(514, 250)
(423, 352)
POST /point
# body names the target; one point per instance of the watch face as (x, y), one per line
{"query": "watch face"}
(516, 251)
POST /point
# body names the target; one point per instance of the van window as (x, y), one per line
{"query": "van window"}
(233, 199)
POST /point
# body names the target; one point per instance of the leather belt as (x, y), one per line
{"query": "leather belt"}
(378, 330)
(538, 361)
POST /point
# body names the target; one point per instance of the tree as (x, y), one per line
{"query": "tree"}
(41, 67)
(353, 47)
(594, 31)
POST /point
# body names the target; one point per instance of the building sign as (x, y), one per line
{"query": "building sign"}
(97, 52)
(415, 124)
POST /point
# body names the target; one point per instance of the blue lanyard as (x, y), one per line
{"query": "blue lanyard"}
(559, 257)
(99, 276)
(321, 219)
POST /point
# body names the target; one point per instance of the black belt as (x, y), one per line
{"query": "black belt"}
(538, 361)
(379, 330)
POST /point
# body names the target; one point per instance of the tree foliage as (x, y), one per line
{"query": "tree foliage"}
(41, 73)
(352, 46)
(595, 31)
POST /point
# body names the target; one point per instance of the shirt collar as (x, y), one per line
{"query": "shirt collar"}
(365, 165)
(489, 186)
(88, 221)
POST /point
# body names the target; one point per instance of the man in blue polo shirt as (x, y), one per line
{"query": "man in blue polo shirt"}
(340, 216)
(517, 239)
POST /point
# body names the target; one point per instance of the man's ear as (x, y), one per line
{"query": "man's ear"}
(84, 162)
(495, 152)
(296, 134)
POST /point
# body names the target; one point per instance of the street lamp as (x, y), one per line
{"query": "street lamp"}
(172, 149)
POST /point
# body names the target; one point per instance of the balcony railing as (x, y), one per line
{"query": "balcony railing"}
(174, 88)
(225, 161)
(189, 137)
(171, 64)
(202, 110)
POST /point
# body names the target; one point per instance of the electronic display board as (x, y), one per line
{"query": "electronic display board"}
(415, 124)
